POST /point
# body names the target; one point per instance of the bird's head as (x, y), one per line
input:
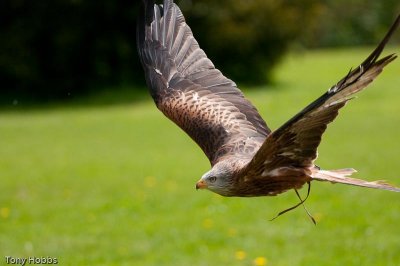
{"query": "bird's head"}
(218, 179)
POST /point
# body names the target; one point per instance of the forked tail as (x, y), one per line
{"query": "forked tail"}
(341, 176)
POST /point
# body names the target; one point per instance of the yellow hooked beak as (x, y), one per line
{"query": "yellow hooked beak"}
(201, 185)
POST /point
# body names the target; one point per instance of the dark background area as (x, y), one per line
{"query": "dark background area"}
(62, 49)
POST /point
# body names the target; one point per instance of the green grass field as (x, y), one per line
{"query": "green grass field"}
(114, 184)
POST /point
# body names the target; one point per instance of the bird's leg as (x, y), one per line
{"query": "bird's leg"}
(302, 202)
(297, 205)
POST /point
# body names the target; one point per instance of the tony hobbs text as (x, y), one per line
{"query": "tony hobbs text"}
(30, 260)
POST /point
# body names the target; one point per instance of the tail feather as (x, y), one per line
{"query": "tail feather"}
(341, 176)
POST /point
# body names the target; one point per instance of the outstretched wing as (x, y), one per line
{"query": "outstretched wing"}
(189, 90)
(294, 145)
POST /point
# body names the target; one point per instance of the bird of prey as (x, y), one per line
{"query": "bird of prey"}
(247, 158)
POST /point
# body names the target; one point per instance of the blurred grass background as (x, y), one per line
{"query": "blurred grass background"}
(101, 181)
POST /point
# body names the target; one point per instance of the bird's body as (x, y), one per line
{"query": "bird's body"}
(247, 158)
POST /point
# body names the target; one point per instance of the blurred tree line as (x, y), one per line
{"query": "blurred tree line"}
(54, 49)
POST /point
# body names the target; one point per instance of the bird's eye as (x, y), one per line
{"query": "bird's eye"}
(212, 179)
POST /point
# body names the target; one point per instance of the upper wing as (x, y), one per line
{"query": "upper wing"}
(295, 143)
(187, 87)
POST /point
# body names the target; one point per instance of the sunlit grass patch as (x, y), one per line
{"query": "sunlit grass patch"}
(114, 185)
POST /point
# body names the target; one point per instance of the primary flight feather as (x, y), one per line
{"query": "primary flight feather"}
(247, 159)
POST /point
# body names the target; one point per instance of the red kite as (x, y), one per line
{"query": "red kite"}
(247, 158)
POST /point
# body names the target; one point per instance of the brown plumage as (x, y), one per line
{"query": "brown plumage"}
(247, 159)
